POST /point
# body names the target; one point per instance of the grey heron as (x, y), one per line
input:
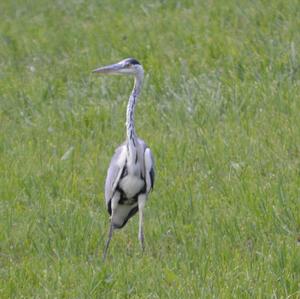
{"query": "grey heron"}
(130, 176)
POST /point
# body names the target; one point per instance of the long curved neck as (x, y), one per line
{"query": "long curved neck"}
(131, 135)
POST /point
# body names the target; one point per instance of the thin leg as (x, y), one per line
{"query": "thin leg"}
(141, 203)
(114, 203)
(110, 233)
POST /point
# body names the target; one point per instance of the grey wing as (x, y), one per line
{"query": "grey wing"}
(114, 172)
(149, 164)
(149, 169)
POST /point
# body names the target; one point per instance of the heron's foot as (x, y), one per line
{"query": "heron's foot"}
(104, 256)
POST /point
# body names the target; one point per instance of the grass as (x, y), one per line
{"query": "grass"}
(220, 110)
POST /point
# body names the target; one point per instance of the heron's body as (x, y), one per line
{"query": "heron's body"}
(130, 175)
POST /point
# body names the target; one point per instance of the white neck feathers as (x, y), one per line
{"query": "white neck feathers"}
(130, 128)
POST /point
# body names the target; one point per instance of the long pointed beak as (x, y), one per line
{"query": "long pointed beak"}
(109, 69)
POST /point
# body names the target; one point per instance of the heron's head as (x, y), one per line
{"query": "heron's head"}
(128, 66)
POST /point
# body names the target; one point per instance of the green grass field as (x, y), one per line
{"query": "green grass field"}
(220, 109)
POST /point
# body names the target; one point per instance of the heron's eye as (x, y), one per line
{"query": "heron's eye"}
(127, 64)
